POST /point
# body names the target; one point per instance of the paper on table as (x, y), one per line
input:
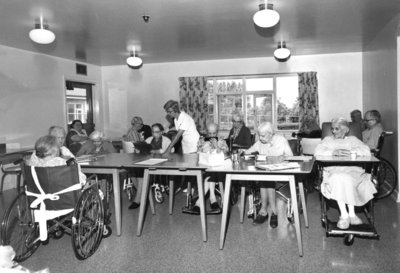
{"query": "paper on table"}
(151, 161)
(278, 166)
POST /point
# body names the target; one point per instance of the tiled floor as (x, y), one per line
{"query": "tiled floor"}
(174, 244)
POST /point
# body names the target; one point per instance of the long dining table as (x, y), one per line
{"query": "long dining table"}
(173, 164)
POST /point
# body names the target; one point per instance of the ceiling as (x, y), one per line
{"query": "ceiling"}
(101, 32)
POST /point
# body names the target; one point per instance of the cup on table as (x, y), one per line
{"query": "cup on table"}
(353, 154)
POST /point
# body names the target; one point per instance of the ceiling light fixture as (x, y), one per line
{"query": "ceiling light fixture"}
(266, 16)
(282, 53)
(133, 60)
(41, 33)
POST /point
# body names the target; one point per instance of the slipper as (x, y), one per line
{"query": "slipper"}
(343, 223)
(355, 220)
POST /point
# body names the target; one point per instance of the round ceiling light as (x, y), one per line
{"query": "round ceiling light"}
(41, 34)
(282, 53)
(266, 17)
(134, 61)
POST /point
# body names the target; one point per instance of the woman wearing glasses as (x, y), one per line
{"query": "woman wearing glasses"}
(239, 135)
(374, 129)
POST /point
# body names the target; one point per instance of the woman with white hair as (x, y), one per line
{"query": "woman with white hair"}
(269, 144)
(47, 154)
(96, 145)
(349, 186)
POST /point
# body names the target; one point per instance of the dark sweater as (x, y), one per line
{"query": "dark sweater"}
(243, 139)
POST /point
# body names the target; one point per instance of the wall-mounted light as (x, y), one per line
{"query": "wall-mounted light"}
(133, 60)
(266, 17)
(41, 33)
(282, 53)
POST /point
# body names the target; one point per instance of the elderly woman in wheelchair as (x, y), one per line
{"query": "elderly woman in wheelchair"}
(349, 186)
(57, 199)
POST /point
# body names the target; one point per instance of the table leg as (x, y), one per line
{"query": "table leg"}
(303, 203)
(292, 185)
(151, 201)
(171, 196)
(143, 200)
(202, 207)
(225, 210)
(242, 203)
(117, 200)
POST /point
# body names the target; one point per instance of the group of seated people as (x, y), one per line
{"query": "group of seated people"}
(349, 186)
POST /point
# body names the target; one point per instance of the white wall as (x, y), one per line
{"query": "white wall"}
(144, 91)
(32, 93)
(380, 81)
(32, 96)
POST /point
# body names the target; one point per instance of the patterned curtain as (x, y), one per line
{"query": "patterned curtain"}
(308, 98)
(193, 95)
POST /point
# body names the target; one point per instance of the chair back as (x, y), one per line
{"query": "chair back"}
(52, 180)
(294, 146)
(381, 141)
(354, 130)
(308, 145)
(128, 147)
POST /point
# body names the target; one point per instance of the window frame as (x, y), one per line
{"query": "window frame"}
(244, 93)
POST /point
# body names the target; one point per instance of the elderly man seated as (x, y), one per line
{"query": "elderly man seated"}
(211, 141)
(269, 144)
(96, 145)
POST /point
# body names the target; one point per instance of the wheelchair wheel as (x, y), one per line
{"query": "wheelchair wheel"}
(131, 192)
(387, 179)
(87, 223)
(158, 196)
(19, 230)
(348, 240)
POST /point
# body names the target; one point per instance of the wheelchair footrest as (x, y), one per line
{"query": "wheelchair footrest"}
(363, 230)
(189, 210)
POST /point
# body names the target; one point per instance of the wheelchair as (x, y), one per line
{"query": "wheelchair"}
(385, 174)
(384, 177)
(56, 205)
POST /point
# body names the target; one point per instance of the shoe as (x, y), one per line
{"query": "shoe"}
(260, 219)
(343, 223)
(195, 210)
(274, 220)
(215, 206)
(355, 220)
(134, 205)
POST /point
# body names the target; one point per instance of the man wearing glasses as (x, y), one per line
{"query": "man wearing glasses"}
(186, 128)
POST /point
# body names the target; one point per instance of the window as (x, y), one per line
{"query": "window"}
(258, 98)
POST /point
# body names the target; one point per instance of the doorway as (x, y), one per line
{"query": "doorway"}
(79, 104)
